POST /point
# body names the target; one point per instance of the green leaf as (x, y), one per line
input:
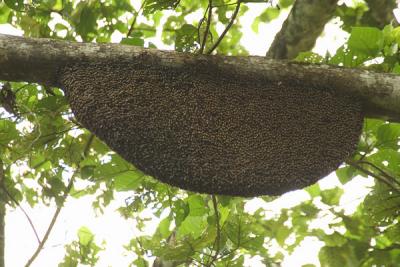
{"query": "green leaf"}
(389, 135)
(129, 180)
(4, 14)
(17, 5)
(282, 234)
(348, 58)
(197, 205)
(186, 38)
(314, 190)
(331, 196)
(334, 240)
(155, 5)
(163, 227)
(193, 225)
(285, 3)
(331, 257)
(8, 131)
(345, 174)
(136, 41)
(367, 40)
(85, 236)
(178, 253)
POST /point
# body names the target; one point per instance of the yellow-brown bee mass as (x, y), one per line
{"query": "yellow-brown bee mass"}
(212, 132)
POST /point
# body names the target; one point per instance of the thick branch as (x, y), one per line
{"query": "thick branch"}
(380, 13)
(39, 60)
(301, 29)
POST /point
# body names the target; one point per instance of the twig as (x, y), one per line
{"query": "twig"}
(217, 240)
(23, 211)
(377, 177)
(384, 173)
(135, 18)
(15, 201)
(234, 15)
(58, 210)
(203, 43)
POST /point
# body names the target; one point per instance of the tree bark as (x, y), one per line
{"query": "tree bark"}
(2, 218)
(40, 60)
(380, 13)
(305, 23)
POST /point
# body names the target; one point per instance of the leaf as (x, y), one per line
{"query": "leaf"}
(282, 234)
(348, 58)
(331, 257)
(268, 15)
(314, 190)
(129, 180)
(334, 240)
(4, 14)
(193, 225)
(163, 227)
(85, 236)
(8, 131)
(197, 205)
(331, 196)
(367, 40)
(186, 38)
(155, 5)
(345, 174)
(178, 253)
(389, 135)
(136, 41)
(17, 5)
(309, 57)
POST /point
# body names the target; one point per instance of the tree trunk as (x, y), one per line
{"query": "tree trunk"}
(304, 25)
(40, 60)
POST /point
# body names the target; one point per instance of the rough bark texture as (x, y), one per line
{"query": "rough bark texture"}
(380, 13)
(305, 23)
(3, 212)
(39, 60)
(2, 232)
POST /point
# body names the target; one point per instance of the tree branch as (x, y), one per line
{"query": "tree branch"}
(382, 179)
(234, 15)
(380, 13)
(58, 210)
(218, 238)
(305, 23)
(40, 60)
(207, 30)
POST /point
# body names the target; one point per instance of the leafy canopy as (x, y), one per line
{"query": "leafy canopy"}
(40, 136)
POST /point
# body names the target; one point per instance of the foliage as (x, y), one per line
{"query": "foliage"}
(84, 251)
(40, 136)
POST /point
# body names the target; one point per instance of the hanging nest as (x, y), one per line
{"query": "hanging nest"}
(209, 131)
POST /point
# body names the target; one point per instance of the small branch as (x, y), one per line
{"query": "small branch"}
(135, 19)
(377, 177)
(58, 210)
(218, 238)
(206, 32)
(234, 15)
(23, 211)
(384, 173)
(2, 177)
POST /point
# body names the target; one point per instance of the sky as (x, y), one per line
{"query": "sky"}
(116, 231)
